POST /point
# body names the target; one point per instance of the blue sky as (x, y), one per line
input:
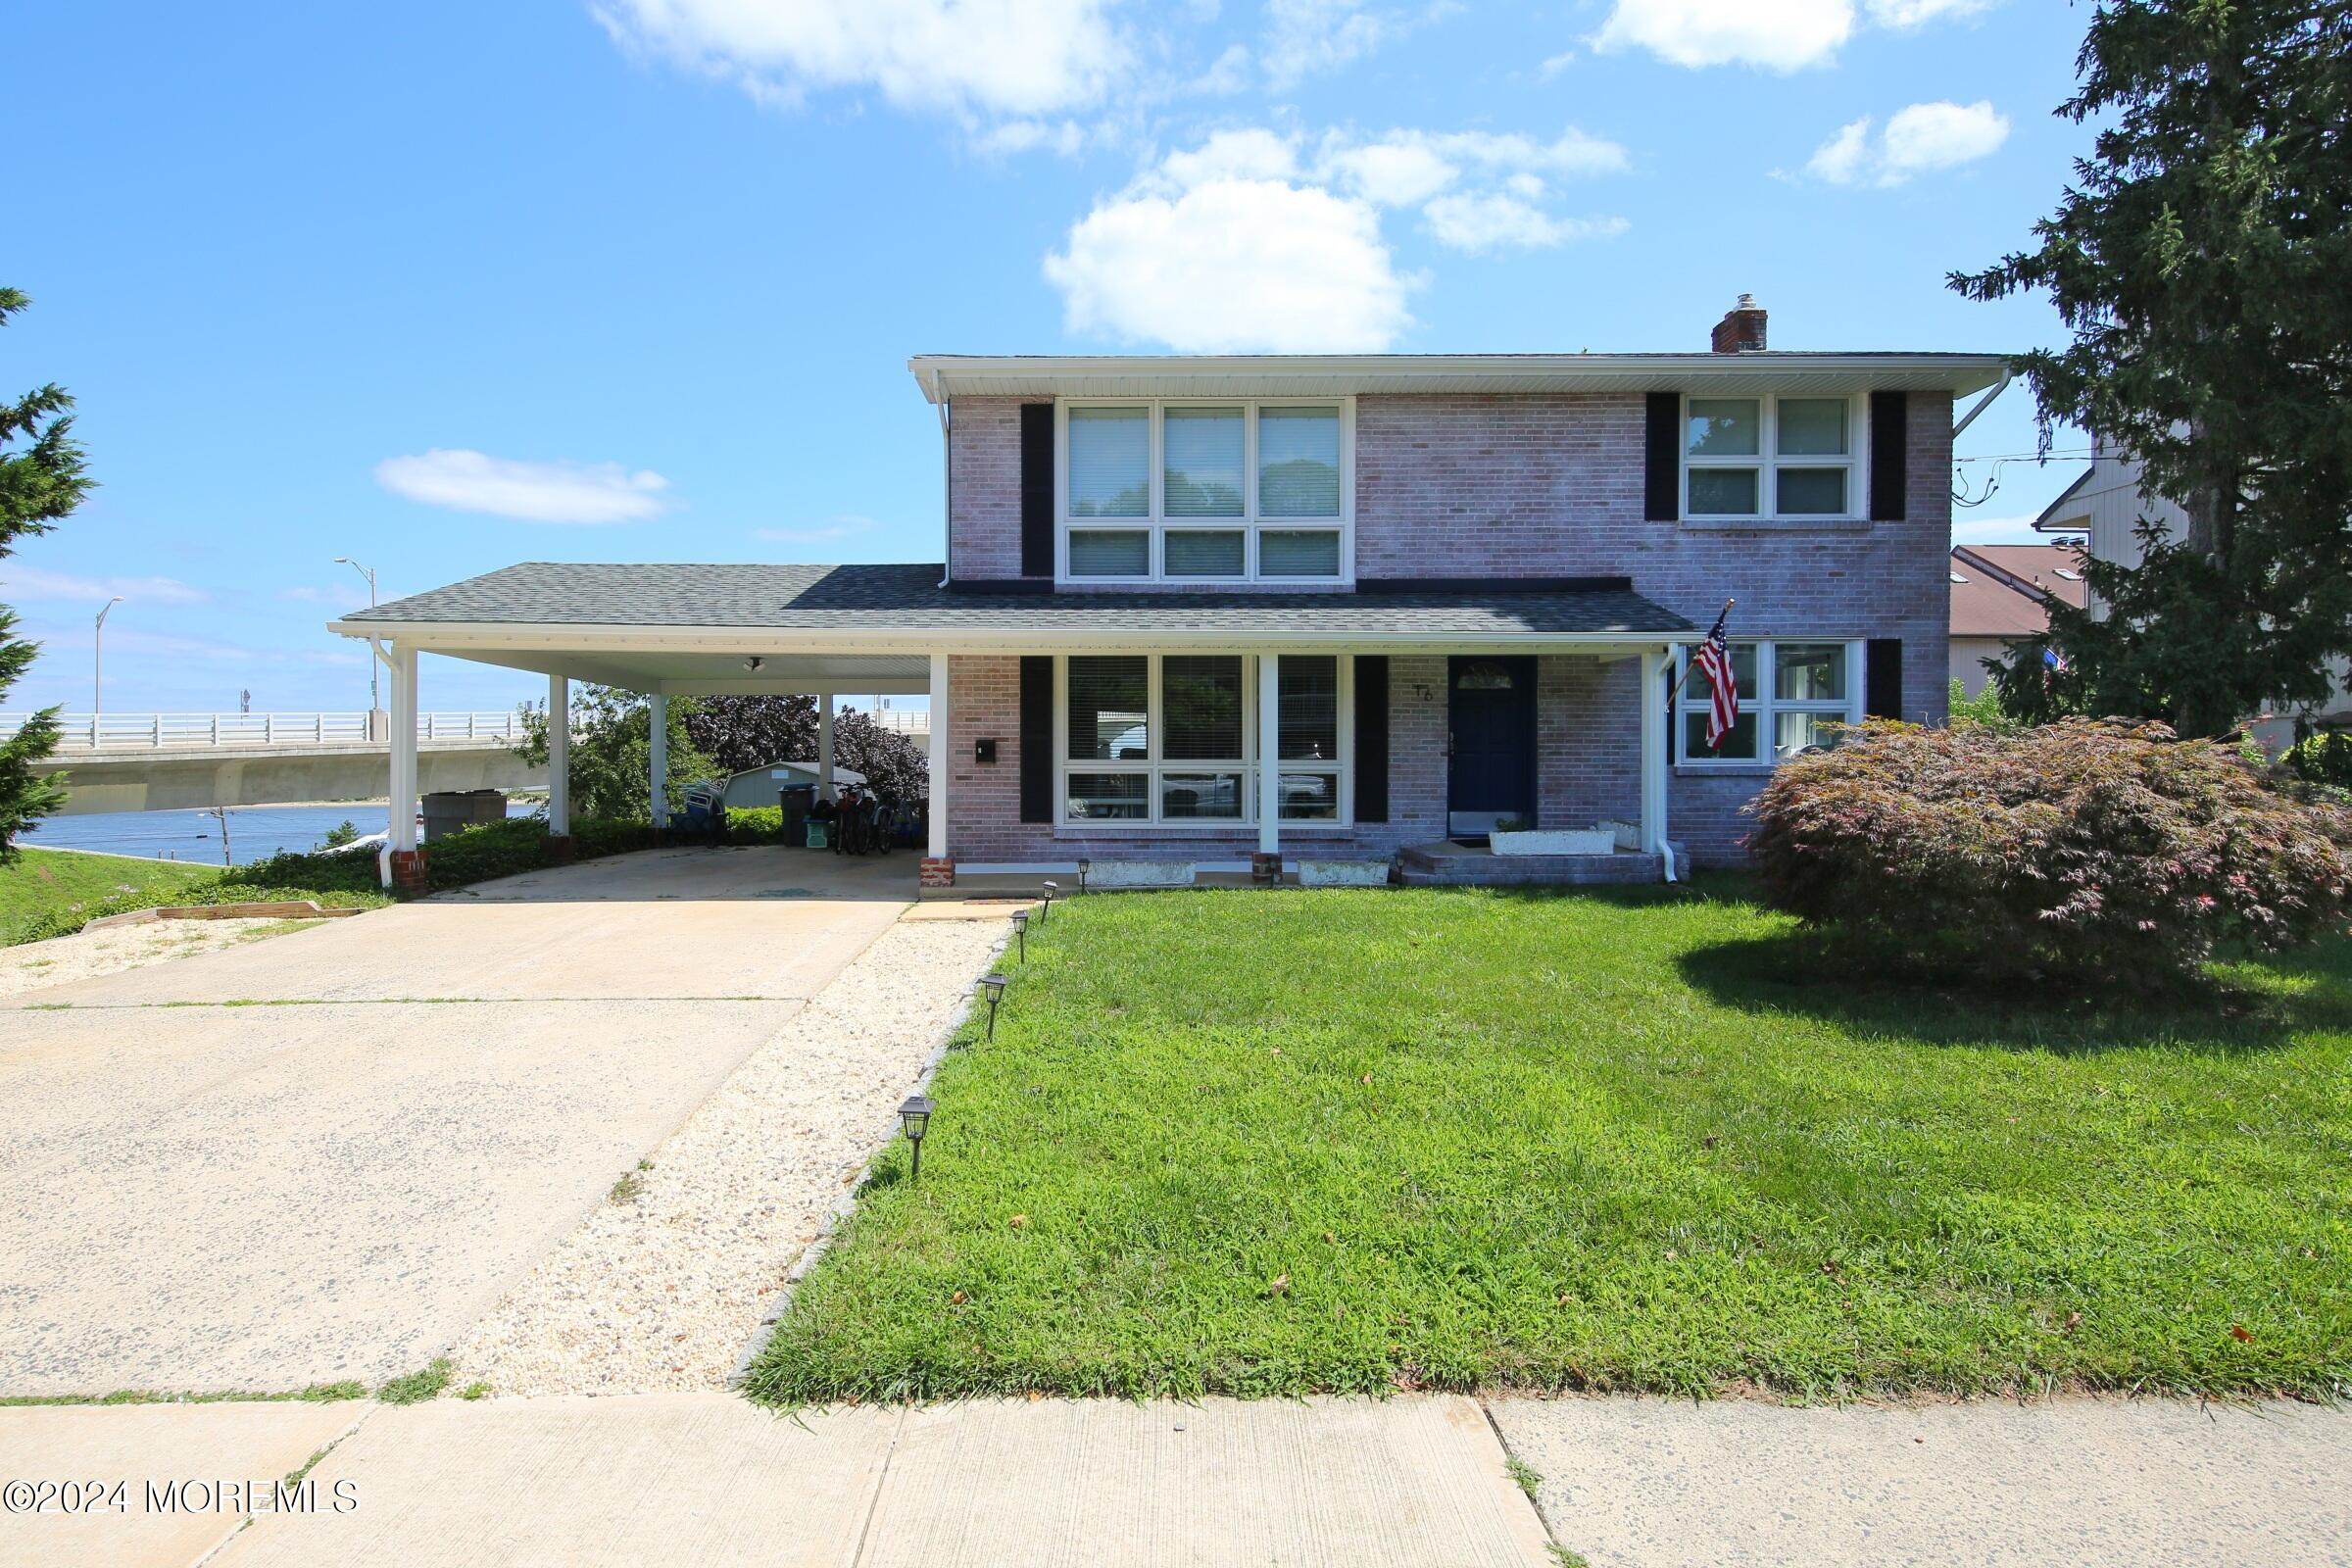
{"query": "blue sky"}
(442, 286)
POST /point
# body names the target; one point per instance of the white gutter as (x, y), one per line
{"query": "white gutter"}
(1983, 403)
(455, 637)
(947, 465)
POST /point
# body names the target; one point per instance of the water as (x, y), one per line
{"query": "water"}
(254, 832)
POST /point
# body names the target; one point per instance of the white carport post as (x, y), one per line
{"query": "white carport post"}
(1269, 771)
(1656, 738)
(825, 746)
(558, 755)
(401, 821)
(937, 847)
(656, 754)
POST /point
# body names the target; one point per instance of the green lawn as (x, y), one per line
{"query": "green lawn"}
(44, 882)
(1274, 1143)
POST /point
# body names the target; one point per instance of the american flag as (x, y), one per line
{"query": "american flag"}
(1714, 660)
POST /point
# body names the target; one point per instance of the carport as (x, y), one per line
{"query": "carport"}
(687, 644)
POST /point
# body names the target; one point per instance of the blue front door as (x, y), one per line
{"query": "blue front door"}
(1490, 747)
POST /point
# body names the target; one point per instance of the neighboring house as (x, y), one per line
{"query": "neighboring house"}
(1439, 592)
(2000, 595)
(2107, 503)
(765, 786)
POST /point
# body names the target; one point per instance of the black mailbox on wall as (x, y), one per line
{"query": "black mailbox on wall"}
(984, 751)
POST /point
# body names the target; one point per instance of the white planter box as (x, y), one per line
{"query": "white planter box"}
(1556, 841)
(1138, 874)
(1343, 873)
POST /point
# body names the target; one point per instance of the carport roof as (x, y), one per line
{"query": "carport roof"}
(904, 599)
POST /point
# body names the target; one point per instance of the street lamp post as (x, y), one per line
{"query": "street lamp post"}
(98, 667)
(367, 572)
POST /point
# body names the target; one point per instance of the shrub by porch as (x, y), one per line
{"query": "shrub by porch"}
(1274, 1143)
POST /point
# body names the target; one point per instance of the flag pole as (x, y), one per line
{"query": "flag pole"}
(1675, 689)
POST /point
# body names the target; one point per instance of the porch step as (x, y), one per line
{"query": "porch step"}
(1452, 866)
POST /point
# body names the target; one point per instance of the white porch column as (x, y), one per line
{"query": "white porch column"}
(558, 755)
(656, 747)
(938, 848)
(824, 747)
(1269, 757)
(403, 746)
(1656, 738)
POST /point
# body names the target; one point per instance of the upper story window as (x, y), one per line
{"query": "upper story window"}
(1771, 457)
(1794, 695)
(1205, 491)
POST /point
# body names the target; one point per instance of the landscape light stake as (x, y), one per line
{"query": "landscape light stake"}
(1020, 929)
(1084, 867)
(994, 986)
(1046, 909)
(914, 1119)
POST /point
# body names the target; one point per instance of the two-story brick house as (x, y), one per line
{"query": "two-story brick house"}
(1445, 592)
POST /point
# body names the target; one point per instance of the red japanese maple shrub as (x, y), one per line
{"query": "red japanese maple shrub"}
(2095, 849)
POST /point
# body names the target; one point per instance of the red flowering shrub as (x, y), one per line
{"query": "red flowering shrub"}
(2085, 847)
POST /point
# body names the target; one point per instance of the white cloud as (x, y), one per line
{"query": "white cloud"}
(1066, 137)
(1499, 221)
(843, 527)
(1556, 64)
(1911, 13)
(1244, 242)
(1842, 157)
(1231, 263)
(1404, 167)
(535, 492)
(1234, 155)
(31, 585)
(1776, 34)
(1229, 73)
(1920, 139)
(1306, 37)
(1020, 58)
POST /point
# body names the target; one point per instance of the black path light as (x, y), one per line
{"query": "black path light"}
(993, 986)
(1046, 909)
(1084, 865)
(914, 1119)
(1020, 929)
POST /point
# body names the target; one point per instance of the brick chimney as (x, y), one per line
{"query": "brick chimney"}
(1741, 329)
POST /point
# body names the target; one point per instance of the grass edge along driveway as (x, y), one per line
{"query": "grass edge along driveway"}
(1280, 1142)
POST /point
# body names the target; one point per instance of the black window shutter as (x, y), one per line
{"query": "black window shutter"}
(1372, 738)
(1037, 492)
(1036, 738)
(1662, 468)
(1882, 688)
(1890, 455)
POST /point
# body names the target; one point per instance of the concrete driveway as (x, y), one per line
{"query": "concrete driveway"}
(325, 1155)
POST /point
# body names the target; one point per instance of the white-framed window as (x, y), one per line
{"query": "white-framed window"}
(1794, 693)
(1773, 457)
(1206, 490)
(1170, 740)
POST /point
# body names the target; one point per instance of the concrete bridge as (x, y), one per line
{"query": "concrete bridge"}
(161, 761)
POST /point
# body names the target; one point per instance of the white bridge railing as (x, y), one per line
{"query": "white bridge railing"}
(905, 720)
(131, 732)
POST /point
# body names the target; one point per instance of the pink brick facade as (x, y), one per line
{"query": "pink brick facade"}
(1486, 485)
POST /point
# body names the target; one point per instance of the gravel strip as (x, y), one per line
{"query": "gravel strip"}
(86, 955)
(659, 1289)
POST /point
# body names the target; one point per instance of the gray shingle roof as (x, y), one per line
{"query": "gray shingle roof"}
(908, 598)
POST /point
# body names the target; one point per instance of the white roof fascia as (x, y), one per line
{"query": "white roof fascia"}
(942, 375)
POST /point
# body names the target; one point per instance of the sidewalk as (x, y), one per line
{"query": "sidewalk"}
(708, 1479)
(1625, 1483)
